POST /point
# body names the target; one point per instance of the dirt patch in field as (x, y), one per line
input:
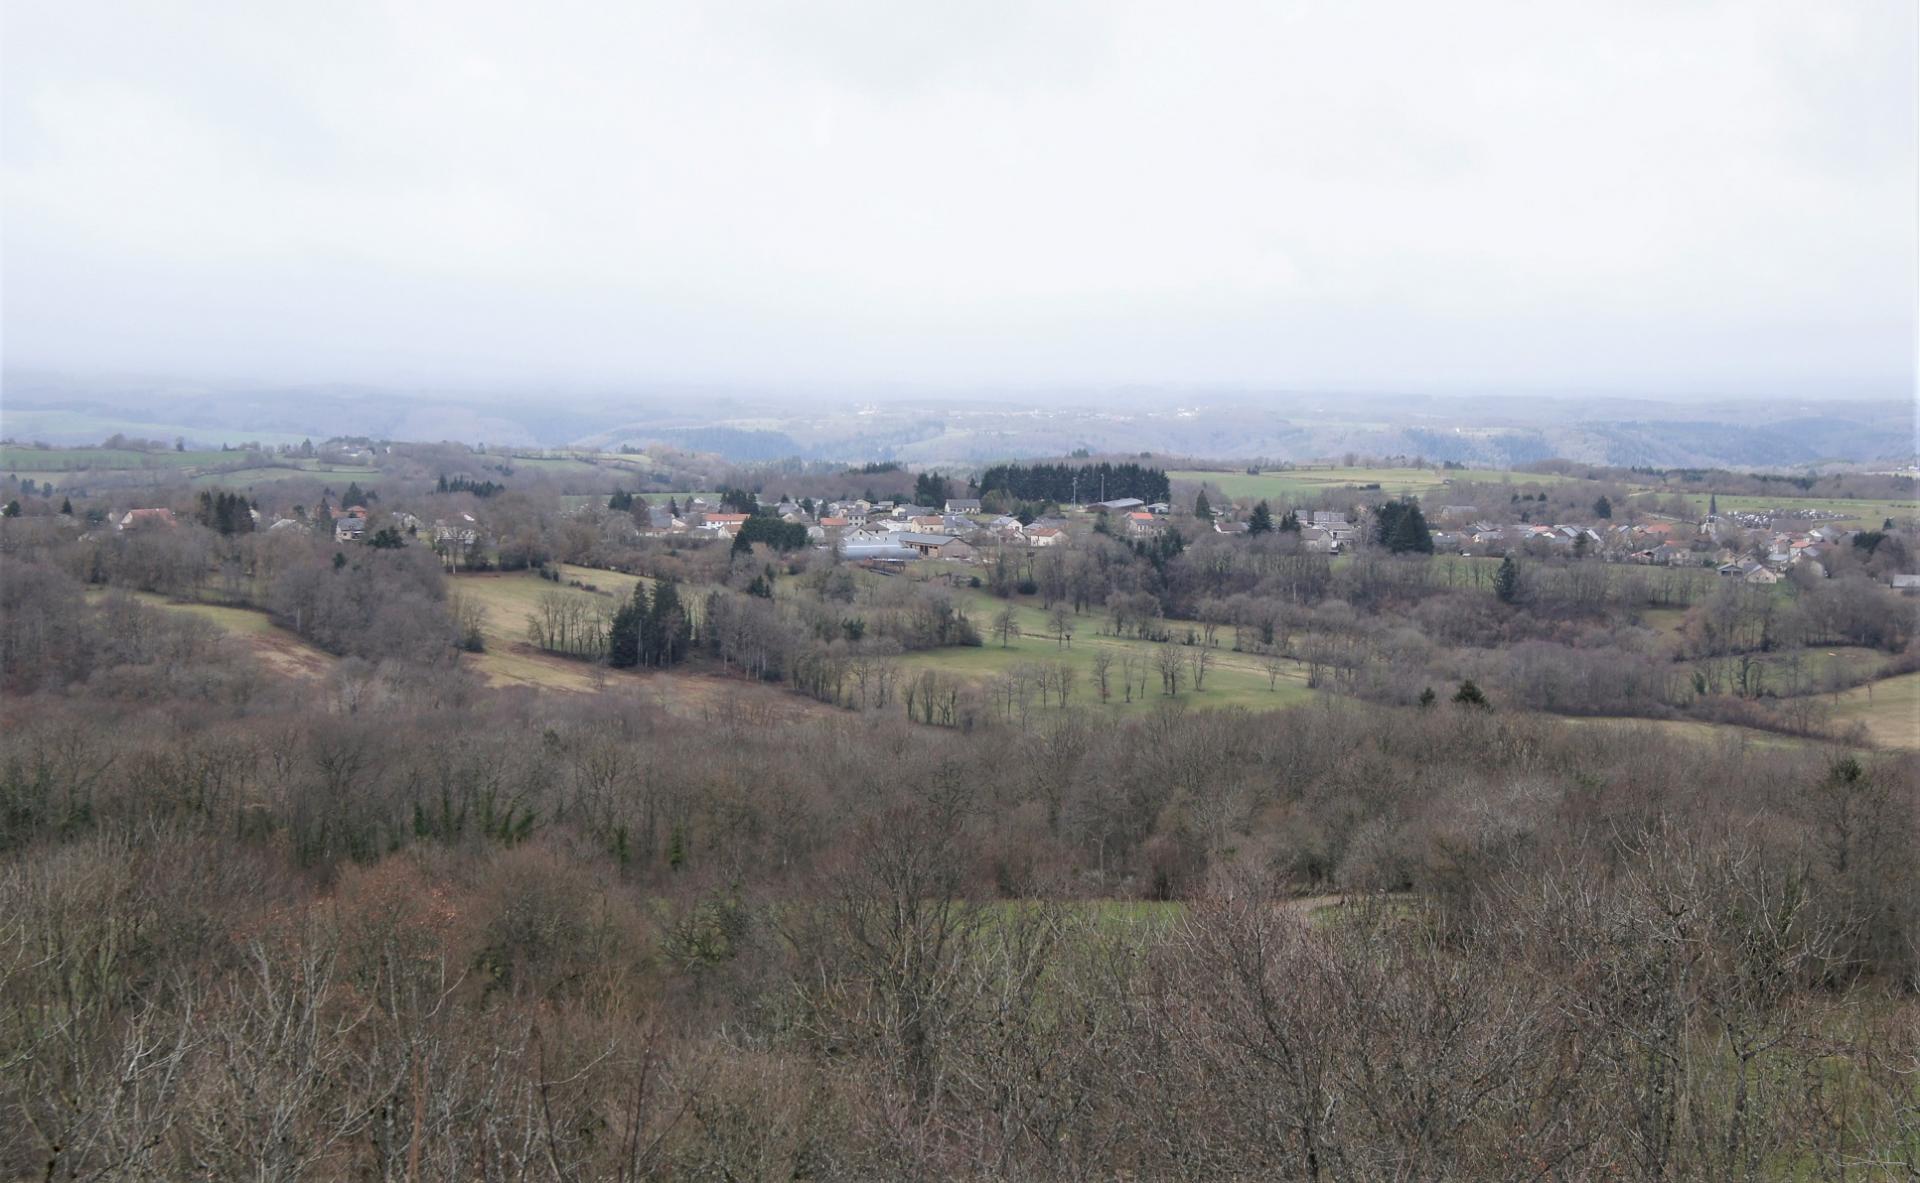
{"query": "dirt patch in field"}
(284, 653)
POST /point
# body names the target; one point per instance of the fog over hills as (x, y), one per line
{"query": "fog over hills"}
(972, 426)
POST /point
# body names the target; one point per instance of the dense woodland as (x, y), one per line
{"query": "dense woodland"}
(391, 922)
(1071, 484)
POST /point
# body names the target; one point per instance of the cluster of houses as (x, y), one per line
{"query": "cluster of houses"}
(882, 532)
(1719, 542)
(891, 534)
(1483, 537)
(1326, 531)
(1787, 550)
(349, 524)
(1658, 543)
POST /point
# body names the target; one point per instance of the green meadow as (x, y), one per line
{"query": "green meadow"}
(1296, 484)
(1861, 513)
(1235, 679)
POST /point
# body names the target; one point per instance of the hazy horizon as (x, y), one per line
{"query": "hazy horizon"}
(1691, 202)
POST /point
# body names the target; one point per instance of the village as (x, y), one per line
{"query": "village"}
(1751, 547)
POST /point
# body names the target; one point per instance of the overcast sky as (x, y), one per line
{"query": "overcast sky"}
(1661, 197)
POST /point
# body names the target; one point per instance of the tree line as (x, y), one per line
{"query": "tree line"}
(1069, 484)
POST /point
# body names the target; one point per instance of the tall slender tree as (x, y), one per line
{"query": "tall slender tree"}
(1506, 581)
(624, 633)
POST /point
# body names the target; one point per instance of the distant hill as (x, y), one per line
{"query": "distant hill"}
(964, 428)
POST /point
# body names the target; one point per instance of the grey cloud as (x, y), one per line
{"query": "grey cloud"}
(1712, 197)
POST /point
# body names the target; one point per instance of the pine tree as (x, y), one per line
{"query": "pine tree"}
(1469, 695)
(1290, 524)
(1713, 505)
(624, 634)
(1410, 533)
(1427, 697)
(66, 506)
(1202, 509)
(1602, 508)
(1262, 520)
(1506, 582)
(1385, 518)
(929, 488)
(668, 632)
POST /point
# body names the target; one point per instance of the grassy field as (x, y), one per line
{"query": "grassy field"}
(579, 465)
(1889, 708)
(509, 598)
(1236, 679)
(67, 467)
(1290, 485)
(16, 458)
(1692, 730)
(48, 424)
(1295, 485)
(242, 478)
(277, 648)
(1854, 514)
(509, 661)
(687, 691)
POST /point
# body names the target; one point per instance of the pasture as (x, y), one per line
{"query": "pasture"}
(1234, 680)
(1299, 485)
(16, 457)
(1889, 709)
(1858, 514)
(68, 468)
(688, 691)
(62, 426)
(508, 599)
(1692, 730)
(278, 649)
(246, 478)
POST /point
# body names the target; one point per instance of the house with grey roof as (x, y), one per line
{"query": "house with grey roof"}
(935, 546)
